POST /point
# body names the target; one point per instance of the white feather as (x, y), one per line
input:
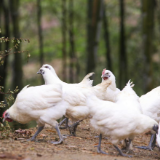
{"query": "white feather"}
(112, 91)
(119, 120)
(86, 82)
(150, 103)
(75, 94)
(158, 136)
(41, 103)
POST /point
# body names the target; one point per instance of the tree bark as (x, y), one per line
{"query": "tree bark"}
(147, 38)
(107, 39)
(72, 42)
(3, 68)
(95, 14)
(17, 64)
(39, 16)
(123, 65)
(64, 49)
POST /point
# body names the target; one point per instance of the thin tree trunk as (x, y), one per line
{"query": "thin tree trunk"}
(72, 43)
(147, 35)
(39, 15)
(3, 68)
(17, 66)
(123, 66)
(64, 29)
(95, 14)
(107, 39)
(1, 23)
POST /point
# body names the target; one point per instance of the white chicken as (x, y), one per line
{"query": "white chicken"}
(112, 91)
(86, 82)
(112, 94)
(150, 104)
(44, 104)
(158, 136)
(75, 95)
(117, 120)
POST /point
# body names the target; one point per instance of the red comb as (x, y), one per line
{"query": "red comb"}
(103, 72)
(4, 114)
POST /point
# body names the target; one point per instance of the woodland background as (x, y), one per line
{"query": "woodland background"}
(77, 37)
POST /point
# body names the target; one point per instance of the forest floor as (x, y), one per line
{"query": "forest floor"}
(73, 148)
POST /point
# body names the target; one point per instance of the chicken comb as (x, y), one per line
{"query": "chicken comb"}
(103, 72)
(4, 114)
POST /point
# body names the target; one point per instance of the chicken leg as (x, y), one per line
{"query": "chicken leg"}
(99, 145)
(59, 134)
(36, 134)
(151, 143)
(128, 145)
(73, 128)
(120, 152)
(66, 123)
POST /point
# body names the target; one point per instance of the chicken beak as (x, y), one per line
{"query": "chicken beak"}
(104, 75)
(4, 119)
(39, 72)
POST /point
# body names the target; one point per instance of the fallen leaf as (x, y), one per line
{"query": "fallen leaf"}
(39, 155)
(42, 135)
(49, 130)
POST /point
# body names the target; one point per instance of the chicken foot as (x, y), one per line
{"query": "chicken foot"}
(151, 143)
(73, 128)
(127, 147)
(99, 145)
(59, 134)
(36, 134)
(66, 123)
(120, 152)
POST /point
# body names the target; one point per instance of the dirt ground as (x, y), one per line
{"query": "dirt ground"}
(73, 148)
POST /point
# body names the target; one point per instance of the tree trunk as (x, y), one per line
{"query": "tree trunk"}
(72, 43)
(106, 38)
(147, 48)
(39, 15)
(123, 66)
(1, 24)
(17, 66)
(64, 50)
(95, 14)
(3, 68)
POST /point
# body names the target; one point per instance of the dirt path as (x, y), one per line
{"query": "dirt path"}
(73, 148)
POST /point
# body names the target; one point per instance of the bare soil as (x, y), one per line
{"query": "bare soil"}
(74, 148)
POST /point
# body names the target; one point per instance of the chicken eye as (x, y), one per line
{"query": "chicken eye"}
(46, 67)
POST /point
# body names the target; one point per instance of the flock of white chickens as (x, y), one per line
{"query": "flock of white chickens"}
(119, 115)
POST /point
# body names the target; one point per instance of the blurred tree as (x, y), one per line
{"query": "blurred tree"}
(64, 49)
(0, 25)
(147, 47)
(74, 65)
(107, 39)
(17, 62)
(39, 16)
(72, 42)
(95, 14)
(3, 68)
(123, 65)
